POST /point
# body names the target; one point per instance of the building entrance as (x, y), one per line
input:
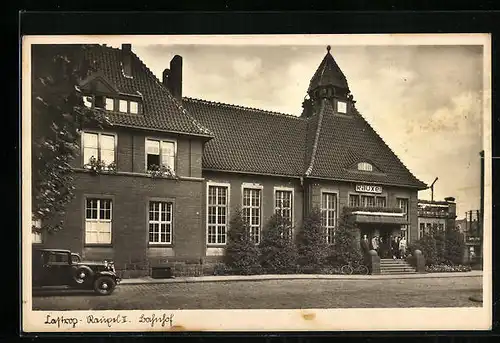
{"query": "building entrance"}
(380, 238)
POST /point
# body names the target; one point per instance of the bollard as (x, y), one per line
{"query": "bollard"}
(419, 261)
(374, 262)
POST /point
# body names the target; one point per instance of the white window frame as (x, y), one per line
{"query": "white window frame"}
(36, 237)
(90, 220)
(169, 224)
(99, 134)
(354, 195)
(253, 227)
(344, 103)
(330, 230)
(120, 102)
(292, 200)
(365, 166)
(228, 213)
(136, 107)
(160, 140)
(421, 230)
(112, 104)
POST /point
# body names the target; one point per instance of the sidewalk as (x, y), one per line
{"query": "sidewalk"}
(229, 278)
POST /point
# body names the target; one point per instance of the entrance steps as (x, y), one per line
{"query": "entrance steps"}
(391, 266)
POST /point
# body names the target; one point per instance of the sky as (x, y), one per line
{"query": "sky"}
(424, 100)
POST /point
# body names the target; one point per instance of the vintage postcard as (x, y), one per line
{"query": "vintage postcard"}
(256, 183)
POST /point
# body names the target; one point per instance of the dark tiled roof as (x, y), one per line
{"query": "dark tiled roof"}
(250, 140)
(345, 140)
(323, 146)
(328, 73)
(161, 110)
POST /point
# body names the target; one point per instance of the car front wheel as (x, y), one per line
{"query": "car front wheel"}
(104, 285)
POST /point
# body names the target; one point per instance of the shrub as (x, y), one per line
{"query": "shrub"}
(441, 248)
(426, 244)
(345, 248)
(242, 255)
(278, 251)
(455, 246)
(312, 248)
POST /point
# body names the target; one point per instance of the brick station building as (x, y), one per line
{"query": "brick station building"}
(222, 157)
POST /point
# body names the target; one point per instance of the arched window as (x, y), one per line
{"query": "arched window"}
(365, 166)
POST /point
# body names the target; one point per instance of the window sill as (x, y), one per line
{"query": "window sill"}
(97, 245)
(160, 245)
(216, 245)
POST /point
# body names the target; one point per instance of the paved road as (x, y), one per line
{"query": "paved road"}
(277, 294)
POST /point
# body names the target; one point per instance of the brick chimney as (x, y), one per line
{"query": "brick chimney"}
(166, 74)
(127, 59)
(175, 77)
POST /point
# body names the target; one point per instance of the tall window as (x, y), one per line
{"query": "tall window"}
(217, 214)
(283, 207)
(367, 201)
(160, 222)
(354, 200)
(98, 221)
(403, 204)
(441, 227)
(421, 230)
(36, 234)
(251, 211)
(100, 146)
(381, 202)
(160, 153)
(329, 211)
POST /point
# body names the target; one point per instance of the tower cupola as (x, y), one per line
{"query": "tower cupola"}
(328, 82)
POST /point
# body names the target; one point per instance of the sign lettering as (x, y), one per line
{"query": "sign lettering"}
(368, 189)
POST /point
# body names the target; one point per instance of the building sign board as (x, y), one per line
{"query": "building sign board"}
(368, 189)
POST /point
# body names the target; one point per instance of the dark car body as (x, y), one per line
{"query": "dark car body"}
(58, 267)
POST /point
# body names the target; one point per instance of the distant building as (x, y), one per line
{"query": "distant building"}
(439, 214)
(470, 226)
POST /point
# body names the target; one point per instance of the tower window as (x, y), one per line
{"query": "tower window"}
(341, 107)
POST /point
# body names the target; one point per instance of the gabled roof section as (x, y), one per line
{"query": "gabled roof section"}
(340, 139)
(328, 74)
(162, 111)
(250, 140)
(99, 81)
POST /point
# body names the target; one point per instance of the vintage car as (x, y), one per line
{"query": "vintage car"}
(57, 267)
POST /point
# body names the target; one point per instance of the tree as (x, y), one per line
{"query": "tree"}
(278, 251)
(312, 247)
(345, 248)
(242, 254)
(455, 246)
(58, 114)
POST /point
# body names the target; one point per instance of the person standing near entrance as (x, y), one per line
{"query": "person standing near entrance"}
(365, 245)
(402, 247)
(394, 248)
(375, 243)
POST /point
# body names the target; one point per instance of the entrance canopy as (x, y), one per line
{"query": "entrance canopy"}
(379, 218)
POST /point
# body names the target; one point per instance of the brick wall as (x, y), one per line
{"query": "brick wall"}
(267, 182)
(131, 152)
(131, 195)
